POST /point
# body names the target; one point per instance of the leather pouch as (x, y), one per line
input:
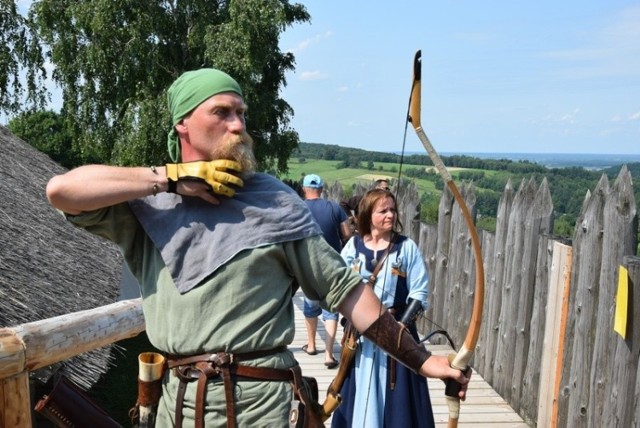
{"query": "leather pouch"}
(305, 410)
(68, 406)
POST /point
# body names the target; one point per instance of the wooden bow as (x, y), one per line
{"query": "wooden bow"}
(460, 360)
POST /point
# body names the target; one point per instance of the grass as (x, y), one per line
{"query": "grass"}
(347, 177)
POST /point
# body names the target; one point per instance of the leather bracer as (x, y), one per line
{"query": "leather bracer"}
(395, 340)
(413, 310)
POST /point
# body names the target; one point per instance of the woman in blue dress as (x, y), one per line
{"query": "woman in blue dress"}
(378, 391)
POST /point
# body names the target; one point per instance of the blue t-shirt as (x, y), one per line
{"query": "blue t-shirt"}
(329, 216)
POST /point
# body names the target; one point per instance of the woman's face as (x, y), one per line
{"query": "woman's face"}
(384, 215)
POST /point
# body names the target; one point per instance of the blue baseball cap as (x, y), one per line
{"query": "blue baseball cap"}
(313, 181)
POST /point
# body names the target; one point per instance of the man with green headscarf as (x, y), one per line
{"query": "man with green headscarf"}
(217, 249)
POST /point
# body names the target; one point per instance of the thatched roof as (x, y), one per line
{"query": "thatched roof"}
(47, 266)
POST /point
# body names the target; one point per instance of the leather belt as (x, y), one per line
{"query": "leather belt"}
(204, 366)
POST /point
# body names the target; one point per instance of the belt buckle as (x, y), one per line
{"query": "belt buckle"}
(220, 359)
(186, 372)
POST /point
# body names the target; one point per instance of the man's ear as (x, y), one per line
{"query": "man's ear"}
(181, 128)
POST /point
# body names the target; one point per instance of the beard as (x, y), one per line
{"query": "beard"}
(238, 148)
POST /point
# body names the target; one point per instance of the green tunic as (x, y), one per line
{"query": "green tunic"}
(243, 306)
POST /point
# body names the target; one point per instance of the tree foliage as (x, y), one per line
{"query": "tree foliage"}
(48, 132)
(19, 48)
(115, 59)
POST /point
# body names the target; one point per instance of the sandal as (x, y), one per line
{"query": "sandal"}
(305, 347)
(331, 364)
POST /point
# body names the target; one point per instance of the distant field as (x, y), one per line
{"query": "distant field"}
(350, 176)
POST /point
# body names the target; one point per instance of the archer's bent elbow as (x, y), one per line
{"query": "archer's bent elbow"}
(58, 194)
(54, 191)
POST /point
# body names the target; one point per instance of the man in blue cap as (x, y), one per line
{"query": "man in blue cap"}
(336, 230)
(216, 249)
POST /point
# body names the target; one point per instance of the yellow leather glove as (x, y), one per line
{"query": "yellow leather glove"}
(214, 173)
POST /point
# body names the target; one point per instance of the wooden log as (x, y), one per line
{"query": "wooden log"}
(515, 279)
(554, 334)
(15, 406)
(494, 286)
(59, 338)
(442, 256)
(460, 281)
(427, 244)
(538, 225)
(615, 359)
(12, 353)
(408, 201)
(587, 260)
(482, 352)
(633, 265)
(528, 403)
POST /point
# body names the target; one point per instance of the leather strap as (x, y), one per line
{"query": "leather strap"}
(182, 388)
(391, 364)
(374, 276)
(204, 366)
(207, 370)
(312, 418)
(182, 360)
(191, 373)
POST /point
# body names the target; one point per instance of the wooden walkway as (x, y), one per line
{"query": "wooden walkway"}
(483, 407)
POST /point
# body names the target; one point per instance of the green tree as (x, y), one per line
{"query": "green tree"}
(429, 204)
(19, 48)
(114, 60)
(47, 132)
(564, 225)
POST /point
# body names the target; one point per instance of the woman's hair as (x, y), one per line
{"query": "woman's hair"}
(365, 210)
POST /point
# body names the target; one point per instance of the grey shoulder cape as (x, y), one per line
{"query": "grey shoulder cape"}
(195, 237)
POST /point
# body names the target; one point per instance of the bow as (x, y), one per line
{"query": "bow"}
(460, 360)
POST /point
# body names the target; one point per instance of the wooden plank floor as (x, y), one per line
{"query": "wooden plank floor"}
(482, 408)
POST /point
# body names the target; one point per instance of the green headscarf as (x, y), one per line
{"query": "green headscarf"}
(189, 91)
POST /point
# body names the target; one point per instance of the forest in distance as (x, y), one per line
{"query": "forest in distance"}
(568, 185)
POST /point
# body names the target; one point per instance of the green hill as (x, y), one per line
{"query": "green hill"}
(350, 165)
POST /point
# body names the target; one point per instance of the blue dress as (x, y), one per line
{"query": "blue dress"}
(368, 399)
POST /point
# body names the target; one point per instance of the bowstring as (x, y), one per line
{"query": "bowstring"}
(393, 235)
(383, 270)
(404, 144)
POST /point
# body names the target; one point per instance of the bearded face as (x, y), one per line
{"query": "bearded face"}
(237, 147)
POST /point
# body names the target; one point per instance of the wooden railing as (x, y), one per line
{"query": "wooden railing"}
(34, 345)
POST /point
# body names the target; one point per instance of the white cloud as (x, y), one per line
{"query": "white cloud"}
(631, 117)
(561, 118)
(569, 118)
(343, 88)
(609, 132)
(312, 75)
(306, 43)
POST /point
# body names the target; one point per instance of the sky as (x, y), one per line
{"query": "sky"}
(497, 76)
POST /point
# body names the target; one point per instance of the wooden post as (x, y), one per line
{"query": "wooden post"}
(15, 400)
(28, 347)
(632, 264)
(554, 335)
